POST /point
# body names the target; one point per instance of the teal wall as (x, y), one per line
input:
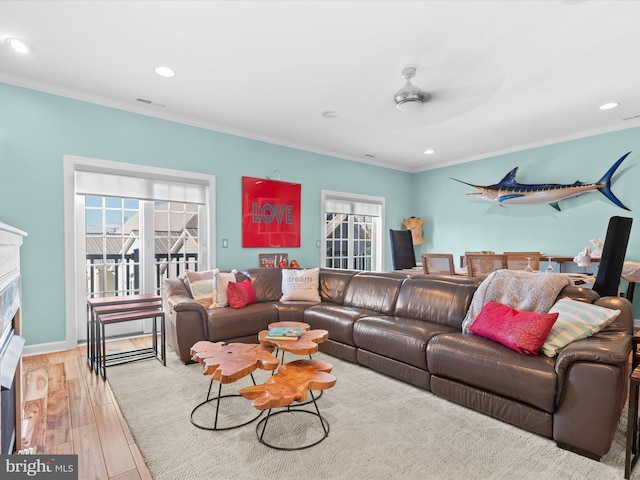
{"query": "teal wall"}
(456, 222)
(37, 129)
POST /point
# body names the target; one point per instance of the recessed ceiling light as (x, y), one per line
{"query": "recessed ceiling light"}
(329, 114)
(18, 45)
(429, 151)
(165, 71)
(608, 106)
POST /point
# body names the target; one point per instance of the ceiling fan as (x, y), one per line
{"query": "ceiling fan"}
(410, 97)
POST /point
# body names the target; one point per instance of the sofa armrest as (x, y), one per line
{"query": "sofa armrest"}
(186, 324)
(182, 303)
(592, 376)
(609, 348)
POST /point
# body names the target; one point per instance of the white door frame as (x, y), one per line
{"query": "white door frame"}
(75, 250)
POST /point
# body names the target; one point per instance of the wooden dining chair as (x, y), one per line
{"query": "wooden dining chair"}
(520, 260)
(463, 259)
(438, 263)
(481, 265)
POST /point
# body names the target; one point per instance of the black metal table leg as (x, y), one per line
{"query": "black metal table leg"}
(289, 409)
(217, 399)
(631, 455)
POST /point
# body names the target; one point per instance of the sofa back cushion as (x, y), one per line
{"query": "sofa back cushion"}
(377, 292)
(438, 299)
(176, 287)
(267, 282)
(334, 283)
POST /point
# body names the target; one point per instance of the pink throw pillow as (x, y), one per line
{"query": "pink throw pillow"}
(241, 294)
(524, 332)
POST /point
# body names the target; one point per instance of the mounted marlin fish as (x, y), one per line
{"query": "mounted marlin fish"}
(509, 191)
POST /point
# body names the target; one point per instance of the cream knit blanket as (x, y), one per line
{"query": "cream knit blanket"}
(531, 292)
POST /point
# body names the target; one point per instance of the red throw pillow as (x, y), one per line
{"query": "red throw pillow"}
(524, 332)
(241, 294)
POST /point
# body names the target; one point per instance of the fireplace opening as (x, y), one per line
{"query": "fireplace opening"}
(11, 344)
(8, 421)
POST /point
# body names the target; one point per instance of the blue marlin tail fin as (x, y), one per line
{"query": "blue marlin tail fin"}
(605, 183)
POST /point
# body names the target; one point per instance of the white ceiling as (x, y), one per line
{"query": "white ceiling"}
(503, 75)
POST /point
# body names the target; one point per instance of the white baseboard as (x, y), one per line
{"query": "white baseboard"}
(43, 348)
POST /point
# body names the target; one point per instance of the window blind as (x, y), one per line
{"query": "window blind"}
(352, 207)
(142, 188)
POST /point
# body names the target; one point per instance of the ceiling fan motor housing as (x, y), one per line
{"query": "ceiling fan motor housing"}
(410, 97)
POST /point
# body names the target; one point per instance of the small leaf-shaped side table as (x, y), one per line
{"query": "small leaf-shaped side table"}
(291, 383)
(228, 363)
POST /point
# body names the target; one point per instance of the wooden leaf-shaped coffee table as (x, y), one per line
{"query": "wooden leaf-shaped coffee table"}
(230, 362)
(227, 363)
(292, 383)
(307, 344)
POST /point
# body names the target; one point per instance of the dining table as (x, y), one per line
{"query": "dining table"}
(631, 273)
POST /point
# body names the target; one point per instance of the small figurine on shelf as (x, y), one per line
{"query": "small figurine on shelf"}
(283, 264)
(294, 264)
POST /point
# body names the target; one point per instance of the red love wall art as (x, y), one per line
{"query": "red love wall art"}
(270, 213)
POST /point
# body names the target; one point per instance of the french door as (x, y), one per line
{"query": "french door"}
(127, 228)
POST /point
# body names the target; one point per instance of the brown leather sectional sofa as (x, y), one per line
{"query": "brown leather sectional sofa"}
(409, 327)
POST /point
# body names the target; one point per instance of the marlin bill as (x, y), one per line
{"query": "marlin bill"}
(509, 192)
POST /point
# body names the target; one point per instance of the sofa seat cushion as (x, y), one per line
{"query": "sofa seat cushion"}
(400, 338)
(229, 323)
(489, 366)
(338, 320)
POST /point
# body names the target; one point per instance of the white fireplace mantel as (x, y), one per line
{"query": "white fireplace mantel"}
(10, 242)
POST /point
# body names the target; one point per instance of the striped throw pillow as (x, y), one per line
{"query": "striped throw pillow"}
(201, 286)
(576, 320)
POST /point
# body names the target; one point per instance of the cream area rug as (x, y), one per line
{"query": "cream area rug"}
(380, 429)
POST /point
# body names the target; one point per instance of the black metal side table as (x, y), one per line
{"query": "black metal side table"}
(631, 455)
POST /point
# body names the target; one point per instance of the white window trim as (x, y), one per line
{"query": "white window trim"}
(74, 292)
(378, 260)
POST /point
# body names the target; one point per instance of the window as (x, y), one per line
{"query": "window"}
(352, 233)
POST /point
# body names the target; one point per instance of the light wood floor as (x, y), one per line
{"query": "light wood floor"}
(73, 411)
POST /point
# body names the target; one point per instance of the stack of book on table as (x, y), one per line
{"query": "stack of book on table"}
(284, 333)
